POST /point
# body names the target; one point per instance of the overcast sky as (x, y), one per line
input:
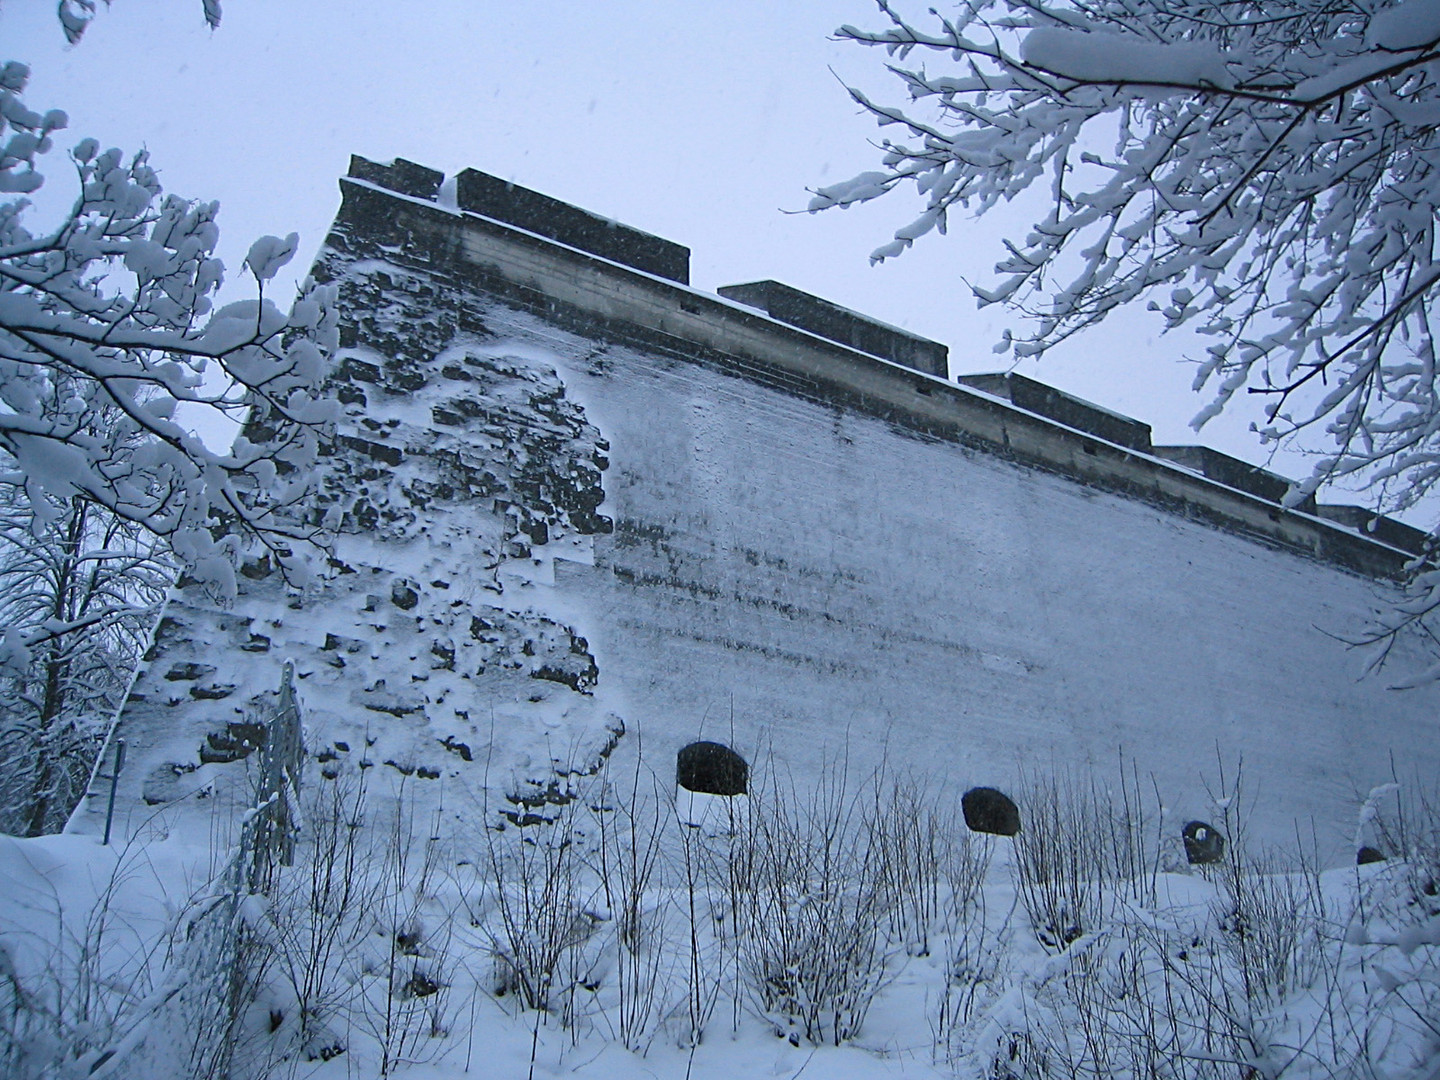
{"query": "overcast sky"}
(701, 122)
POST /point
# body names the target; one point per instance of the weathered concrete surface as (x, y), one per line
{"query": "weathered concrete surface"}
(1063, 408)
(494, 198)
(839, 324)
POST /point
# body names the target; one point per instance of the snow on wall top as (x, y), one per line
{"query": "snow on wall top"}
(842, 325)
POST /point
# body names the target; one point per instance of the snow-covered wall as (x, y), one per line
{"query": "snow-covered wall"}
(588, 507)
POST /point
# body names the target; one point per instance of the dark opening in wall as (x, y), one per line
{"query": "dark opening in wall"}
(989, 811)
(1367, 855)
(1204, 844)
(710, 768)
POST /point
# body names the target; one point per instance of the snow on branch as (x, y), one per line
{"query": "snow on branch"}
(107, 338)
(1266, 175)
(75, 16)
(1124, 58)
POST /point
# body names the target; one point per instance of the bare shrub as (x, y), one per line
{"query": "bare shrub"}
(322, 911)
(221, 964)
(535, 904)
(1271, 917)
(1156, 996)
(1204, 994)
(811, 909)
(116, 990)
(1080, 851)
(630, 821)
(1271, 922)
(1404, 818)
(974, 958)
(75, 984)
(351, 937)
(1062, 865)
(797, 905)
(403, 960)
(912, 842)
(1245, 986)
(704, 956)
(1392, 932)
(1020, 1056)
(1142, 1006)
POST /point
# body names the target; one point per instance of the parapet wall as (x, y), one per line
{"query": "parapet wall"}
(813, 347)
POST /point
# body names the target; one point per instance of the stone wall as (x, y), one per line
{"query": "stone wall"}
(584, 502)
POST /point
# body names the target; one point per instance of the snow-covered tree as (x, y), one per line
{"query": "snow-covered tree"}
(109, 350)
(75, 16)
(86, 587)
(1267, 174)
(117, 299)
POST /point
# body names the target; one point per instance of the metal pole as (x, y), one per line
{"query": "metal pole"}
(114, 780)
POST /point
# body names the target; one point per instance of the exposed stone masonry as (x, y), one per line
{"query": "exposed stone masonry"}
(456, 463)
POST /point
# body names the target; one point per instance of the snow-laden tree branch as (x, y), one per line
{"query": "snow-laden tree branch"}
(109, 350)
(75, 16)
(1265, 174)
(107, 334)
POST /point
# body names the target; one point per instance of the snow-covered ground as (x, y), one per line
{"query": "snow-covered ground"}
(403, 949)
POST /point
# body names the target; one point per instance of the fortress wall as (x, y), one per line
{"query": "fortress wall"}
(587, 506)
(810, 582)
